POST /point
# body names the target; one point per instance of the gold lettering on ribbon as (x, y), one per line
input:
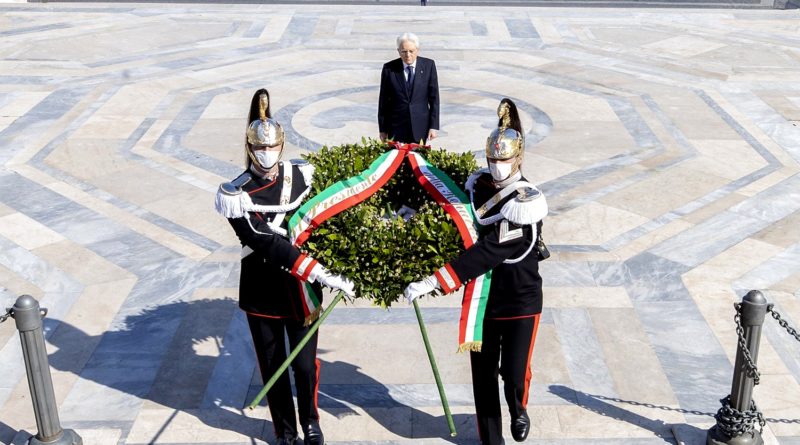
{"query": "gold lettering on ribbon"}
(325, 204)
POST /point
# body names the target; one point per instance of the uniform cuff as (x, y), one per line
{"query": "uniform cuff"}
(303, 268)
(447, 279)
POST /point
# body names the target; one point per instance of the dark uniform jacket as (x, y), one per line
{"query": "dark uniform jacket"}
(506, 248)
(267, 285)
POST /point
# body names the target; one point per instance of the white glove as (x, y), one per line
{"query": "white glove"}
(420, 288)
(341, 283)
(328, 279)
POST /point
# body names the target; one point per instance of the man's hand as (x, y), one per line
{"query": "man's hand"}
(420, 288)
(432, 134)
(383, 136)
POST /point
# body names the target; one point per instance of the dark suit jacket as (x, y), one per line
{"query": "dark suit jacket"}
(406, 116)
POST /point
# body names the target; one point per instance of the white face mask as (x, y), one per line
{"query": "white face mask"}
(266, 158)
(500, 171)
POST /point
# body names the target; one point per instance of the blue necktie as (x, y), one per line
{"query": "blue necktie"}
(410, 78)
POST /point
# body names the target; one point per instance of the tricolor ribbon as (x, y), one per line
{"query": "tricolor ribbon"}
(352, 191)
(456, 203)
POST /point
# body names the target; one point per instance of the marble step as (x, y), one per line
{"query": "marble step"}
(749, 4)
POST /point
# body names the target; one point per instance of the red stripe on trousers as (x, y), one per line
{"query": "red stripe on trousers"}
(528, 373)
(316, 387)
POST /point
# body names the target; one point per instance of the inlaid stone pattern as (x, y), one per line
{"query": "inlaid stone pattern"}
(666, 142)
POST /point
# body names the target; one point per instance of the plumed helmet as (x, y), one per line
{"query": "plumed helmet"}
(265, 132)
(262, 133)
(504, 143)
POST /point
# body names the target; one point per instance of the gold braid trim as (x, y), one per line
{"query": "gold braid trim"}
(471, 346)
(312, 317)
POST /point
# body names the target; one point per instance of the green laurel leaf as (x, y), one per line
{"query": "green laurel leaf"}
(379, 251)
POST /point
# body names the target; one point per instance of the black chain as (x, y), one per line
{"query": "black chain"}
(782, 322)
(752, 370)
(735, 423)
(731, 421)
(9, 313)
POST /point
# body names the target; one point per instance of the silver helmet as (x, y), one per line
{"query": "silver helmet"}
(265, 133)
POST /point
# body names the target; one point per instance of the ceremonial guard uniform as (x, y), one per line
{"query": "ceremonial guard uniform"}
(510, 211)
(275, 275)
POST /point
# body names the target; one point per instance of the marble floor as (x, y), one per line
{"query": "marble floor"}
(666, 141)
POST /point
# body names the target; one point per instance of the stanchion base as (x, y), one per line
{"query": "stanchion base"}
(715, 437)
(68, 437)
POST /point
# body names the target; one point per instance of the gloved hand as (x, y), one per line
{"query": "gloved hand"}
(339, 282)
(420, 288)
(326, 278)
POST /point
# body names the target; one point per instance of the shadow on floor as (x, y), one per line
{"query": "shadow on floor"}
(599, 405)
(169, 354)
(373, 396)
(166, 355)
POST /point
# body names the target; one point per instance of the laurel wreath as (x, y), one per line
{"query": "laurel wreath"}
(381, 251)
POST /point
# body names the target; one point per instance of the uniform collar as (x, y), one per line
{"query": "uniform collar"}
(269, 175)
(509, 180)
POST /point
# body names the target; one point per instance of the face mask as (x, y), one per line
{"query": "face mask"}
(266, 158)
(500, 171)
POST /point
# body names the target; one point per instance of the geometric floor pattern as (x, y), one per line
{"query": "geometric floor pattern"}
(666, 141)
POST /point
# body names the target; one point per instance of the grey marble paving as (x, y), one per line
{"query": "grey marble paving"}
(118, 121)
(582, 352)
(690, 355)
(746, 136)
(772, 271)
(522, 29)
(713, 236)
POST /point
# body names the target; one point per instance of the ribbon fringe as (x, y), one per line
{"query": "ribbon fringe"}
(312, 317)
(470, 346)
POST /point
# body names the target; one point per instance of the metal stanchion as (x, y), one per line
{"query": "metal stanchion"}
(28, 316)
(736, 418)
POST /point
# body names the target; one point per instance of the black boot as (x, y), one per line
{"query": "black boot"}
(287, 441)
(312, 434)
(520, 427)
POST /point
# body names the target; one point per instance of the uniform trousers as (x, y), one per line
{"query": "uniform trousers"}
(506, 351)
(269, 337)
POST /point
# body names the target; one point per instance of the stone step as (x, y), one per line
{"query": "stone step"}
(735, 4)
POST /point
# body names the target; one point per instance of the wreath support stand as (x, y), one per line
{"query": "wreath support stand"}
(435, 370)
(313, 329)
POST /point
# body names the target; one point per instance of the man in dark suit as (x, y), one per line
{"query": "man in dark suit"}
(408, 105)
